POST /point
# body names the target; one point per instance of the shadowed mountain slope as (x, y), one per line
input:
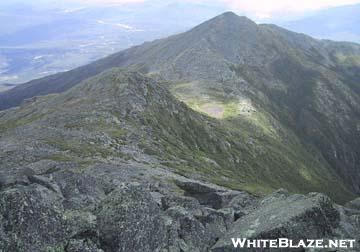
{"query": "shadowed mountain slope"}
(121, 116)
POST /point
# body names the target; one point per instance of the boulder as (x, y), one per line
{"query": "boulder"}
(44, 181)
(82, 246)
(242, 204)
(82, 224)
(79, 190)
(31, 219)
(210, 195)
(128, 219)
(12, 180)
(349, 225)
(279, 215)
(190, 233)
(197, 187)
(216, 222)
(354, 204)
(188, 203)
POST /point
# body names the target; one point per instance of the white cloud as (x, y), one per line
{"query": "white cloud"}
(122, 26)
(110, 2)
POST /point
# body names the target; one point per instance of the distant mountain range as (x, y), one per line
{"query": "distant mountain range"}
(36, 42)
(45, 41)
(335, 23)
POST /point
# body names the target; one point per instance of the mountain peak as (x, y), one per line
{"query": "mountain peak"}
(229, 24)
(232, 17)
(116, 82)
(229, 14)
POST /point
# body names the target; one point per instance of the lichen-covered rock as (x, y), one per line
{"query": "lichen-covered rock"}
(81, 224)
(216, 222)
(188, 203)
(114, 216)
(243, 204)
(82, 246)
(31, 218)
(197, 187)
(11, 180)
(211, 195)
(44, 181)
(294, 217)
(191, 233)
(79, 190)
(349, 225)
(194, 227)
(129, 219)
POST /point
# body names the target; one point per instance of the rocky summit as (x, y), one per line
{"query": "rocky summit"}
(183, 143)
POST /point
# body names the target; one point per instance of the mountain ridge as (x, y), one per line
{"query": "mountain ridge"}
(128, 116)
(264, 82)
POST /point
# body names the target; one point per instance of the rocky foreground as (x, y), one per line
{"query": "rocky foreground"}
(132, 208)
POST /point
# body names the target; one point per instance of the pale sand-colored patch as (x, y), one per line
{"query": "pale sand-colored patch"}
(213, 109)
(245, 107)
(197, 96)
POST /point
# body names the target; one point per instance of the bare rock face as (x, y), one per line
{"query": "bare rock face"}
(106, 215)
(30, 219)
(292, 216)
(129, 218)
(213, 196)
(79, 190)
(82, 246)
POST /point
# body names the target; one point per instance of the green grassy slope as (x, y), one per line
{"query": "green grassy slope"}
(122, 116)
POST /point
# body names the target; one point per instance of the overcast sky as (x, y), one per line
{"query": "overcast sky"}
(258, 9)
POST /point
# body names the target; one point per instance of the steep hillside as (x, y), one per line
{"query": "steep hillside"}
(121, 116)
(288, 90)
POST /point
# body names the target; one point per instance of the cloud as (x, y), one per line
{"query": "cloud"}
(122, 26)
(110, 2)
(258, 9)
(270, 8)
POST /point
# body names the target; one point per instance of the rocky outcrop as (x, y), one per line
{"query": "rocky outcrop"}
(108, 214)
(292, 216)
(80, 190)
(31, 218)
(129, 218)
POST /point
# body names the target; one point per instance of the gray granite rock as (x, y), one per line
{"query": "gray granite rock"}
(129, 219)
